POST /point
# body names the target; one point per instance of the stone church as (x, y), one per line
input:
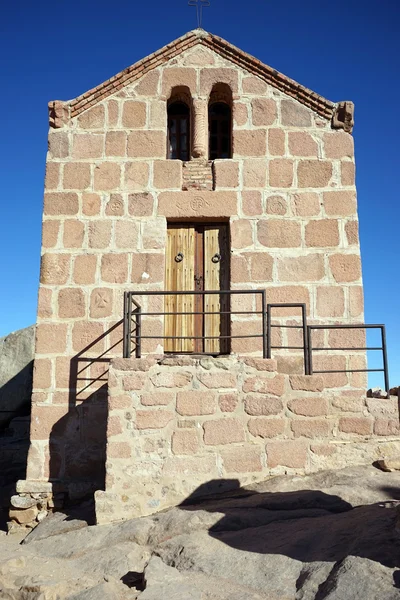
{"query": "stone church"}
(199, 168)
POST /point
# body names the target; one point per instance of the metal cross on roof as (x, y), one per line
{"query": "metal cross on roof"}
(199, 4)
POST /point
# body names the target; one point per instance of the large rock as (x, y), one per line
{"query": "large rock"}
(16, 363)
(333, 535)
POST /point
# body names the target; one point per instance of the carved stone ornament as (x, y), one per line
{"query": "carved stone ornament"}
(199, 128)
(58, 114)
(343, 117)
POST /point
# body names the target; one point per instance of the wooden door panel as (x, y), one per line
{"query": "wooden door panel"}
(179, 277)
(216, 277)
(204, 266)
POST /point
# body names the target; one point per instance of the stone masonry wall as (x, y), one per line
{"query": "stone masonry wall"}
(288, 194)
(176, 424)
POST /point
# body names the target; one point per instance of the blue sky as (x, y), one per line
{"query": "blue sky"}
(58, 50)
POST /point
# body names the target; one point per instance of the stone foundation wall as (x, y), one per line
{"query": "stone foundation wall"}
(177, 425)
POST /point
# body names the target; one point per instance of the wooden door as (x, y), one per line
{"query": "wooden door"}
(197, 259)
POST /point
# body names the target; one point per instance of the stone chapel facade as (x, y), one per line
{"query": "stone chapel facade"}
(196, 155)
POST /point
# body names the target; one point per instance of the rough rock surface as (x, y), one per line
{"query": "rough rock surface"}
(16, 360)
(330, 536)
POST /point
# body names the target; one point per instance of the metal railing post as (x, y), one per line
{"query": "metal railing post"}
(309, 346)
(126, 327)
(305, 340)
(269, 329)
(385, 360)
(264, 324)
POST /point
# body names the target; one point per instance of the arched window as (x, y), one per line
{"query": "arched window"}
(220, 130)
(179, 130)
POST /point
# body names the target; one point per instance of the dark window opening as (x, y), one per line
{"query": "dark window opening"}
(220, 127)
(179, 131)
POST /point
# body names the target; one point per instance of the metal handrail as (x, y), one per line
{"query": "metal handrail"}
(382, 348)
(137, 314)
(303, 327)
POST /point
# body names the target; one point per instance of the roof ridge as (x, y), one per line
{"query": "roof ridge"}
(322, 106)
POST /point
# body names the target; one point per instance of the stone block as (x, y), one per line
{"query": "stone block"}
(23, 516)
(45, 303)
(154, 233)
(251, 203)
(115, 206)
(228, 402)
(249, 142)
(148, 84)
(210, 77)
(330, 301)
(168, 379)
(307, 383)
(242, 459)
(264, 111)
(347, 171)
(177, 76)
(254, 85)
(302, 144)
(322, 233)
(254, 173)
(58, 144)
(91, 204)
(265, 385)
(88, 145)
(157, 398)
(308, 407)
(301, 268)
(276, 142)
(116, 143)
(356, 301)
(147, 268)
(276, 205)
(74, 232)
(279, 233)
(42, 371)
(185, 442)
(311, 428)
(357, 425)
(88, 336)
(193, 403)
(351, 231)
(85, 269)
(262, 405)
(266, 428)
(61, 203)
(345, 267)
(50, 231)
(198, 204)
(126, 234)
(107, 176)
(226, 173)
(113, 107)
(340, 203)
(44, 420)
(114, 426)
(314, 173)
(136, 176)
(76, 176)
(133, 381)
(167, 174)
(241, 234)
(140, 204)
(387, 427)
(281, 171)
(114, 268)
(93, 118)
(220, 432)
(240, 114)
(101, 303)
(71, 303)
(218, 380)
(133, 114)
(51, 338)
(338, 144)
(286, 453)
(147, 144)
(306, 204)
(294, 114)
(260, 364)
(153, 419)
(118, 450)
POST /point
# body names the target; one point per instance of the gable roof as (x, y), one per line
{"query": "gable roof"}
(325, 108)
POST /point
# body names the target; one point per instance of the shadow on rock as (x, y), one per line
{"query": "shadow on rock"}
(305, 525)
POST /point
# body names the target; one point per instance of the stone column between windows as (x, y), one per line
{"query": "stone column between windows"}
(200, 128)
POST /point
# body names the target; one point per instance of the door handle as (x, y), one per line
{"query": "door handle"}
(179, 257)
(216, 258)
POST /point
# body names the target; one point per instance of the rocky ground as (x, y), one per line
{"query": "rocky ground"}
(330, 536)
